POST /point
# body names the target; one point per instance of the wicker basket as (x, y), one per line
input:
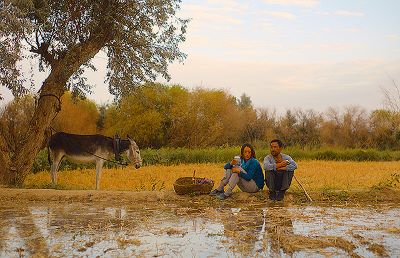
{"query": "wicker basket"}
(189, 185)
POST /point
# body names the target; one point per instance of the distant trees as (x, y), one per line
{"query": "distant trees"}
(385, 129)
(78, 116)
(144, 114)
(158, 115)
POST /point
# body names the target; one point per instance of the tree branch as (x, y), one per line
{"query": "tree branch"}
(43, 51)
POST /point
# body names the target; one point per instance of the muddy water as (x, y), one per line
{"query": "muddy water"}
(158, 229)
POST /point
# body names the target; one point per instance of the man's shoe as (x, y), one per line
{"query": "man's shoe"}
(216, 192)
(222, 196)
(272, 195)
(280, 195)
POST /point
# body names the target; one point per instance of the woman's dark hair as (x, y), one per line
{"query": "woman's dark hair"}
(279, 142)
(253, 152)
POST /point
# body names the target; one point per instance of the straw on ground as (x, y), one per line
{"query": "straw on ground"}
(314, 175)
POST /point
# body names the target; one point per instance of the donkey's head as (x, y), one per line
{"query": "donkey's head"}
(133, 154)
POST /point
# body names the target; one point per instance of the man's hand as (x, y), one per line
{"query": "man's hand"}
(282, 165)
(236, 170)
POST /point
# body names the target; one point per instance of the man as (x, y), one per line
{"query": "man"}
(279, 170)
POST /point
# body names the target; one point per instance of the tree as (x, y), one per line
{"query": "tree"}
(140, 38)
(205, 118)
(308, 128)
(385, 126)
(144, 114)
(245, 102)
(286, 129)
(392, 97)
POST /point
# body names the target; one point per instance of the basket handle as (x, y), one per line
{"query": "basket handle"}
(194, 173)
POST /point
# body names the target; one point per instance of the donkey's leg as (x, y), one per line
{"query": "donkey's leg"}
(56, 161)
(99, 166)
(54, 173)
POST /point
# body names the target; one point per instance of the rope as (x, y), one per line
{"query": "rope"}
(115, 162)
(52, 95)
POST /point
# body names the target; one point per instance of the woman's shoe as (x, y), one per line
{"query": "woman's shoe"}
(222, 196)
(215, 192)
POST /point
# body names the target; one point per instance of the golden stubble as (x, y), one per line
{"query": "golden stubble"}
(314, 175)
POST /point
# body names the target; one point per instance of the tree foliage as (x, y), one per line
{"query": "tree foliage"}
(14, 118)
(139, 37)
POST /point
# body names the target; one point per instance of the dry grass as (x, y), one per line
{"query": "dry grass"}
(314, 175)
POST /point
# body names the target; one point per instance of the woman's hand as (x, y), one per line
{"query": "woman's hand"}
(236, 170)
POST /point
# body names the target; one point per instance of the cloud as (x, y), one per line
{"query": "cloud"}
(340, 13)
(301, 3)
(210, 15)
(307, 85)
(229, 5)
(284, 15)
(393, 37)
(348, 13)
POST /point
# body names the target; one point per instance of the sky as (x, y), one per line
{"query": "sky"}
(285, 54)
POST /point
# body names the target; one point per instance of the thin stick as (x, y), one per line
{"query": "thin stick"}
(308, 196)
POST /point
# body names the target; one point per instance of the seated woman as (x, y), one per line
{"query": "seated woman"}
(249, 176)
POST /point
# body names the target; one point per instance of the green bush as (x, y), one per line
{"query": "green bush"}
(174, 156)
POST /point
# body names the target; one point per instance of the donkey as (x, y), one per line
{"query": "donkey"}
(89, 148)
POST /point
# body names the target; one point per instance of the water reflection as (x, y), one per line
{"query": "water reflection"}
(172, 229)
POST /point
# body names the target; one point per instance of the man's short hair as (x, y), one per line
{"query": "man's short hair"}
(279, 142)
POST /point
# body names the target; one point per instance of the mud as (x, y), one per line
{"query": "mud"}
(125, 224)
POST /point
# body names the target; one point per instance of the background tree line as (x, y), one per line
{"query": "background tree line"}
(158, 115)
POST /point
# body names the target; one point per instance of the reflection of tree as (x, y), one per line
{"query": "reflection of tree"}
(4, 225)
(242, 227)
(256, 231)
(278, 225)
(282, 236)
(27, 230)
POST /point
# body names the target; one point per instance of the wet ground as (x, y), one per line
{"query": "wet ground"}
(195, 229)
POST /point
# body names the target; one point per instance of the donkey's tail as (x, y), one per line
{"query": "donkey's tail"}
(48, 155)
(48, 146)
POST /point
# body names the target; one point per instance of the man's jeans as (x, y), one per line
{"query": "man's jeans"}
(278, 180)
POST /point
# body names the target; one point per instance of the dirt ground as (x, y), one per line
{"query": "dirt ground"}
(120, 197)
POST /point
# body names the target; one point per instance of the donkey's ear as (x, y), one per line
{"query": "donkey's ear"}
(127, 136)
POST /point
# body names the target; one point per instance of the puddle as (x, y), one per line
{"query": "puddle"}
(169, 229)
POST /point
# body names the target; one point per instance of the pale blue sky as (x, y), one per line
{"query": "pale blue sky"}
(299, 53)
(288, 53)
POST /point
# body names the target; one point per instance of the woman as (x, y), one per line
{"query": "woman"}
(249, 176)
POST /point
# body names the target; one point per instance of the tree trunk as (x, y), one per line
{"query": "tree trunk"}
(47, 108)
(16, 169)
(5, 160)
